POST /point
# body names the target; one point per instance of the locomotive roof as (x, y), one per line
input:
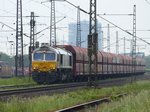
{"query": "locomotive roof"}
(51, 48)
(62, 51)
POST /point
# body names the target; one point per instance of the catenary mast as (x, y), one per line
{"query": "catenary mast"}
(19, 60)
(92, 40)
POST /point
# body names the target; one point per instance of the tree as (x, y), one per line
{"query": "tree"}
(147, 60)
(11, 60)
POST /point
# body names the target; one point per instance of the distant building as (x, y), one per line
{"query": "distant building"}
(84, 34)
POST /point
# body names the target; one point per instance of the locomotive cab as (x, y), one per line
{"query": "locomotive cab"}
(44, 61)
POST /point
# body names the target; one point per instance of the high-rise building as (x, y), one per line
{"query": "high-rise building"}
(84, 34)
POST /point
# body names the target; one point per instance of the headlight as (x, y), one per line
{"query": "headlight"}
(35, 68)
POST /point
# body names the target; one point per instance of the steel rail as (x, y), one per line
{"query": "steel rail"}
(16, 86)
(90, 104)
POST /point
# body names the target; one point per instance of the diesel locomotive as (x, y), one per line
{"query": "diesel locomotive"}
(51, 64)
(64, 63)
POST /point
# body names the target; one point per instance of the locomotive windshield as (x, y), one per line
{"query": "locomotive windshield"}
(49, 56)
(38, 56)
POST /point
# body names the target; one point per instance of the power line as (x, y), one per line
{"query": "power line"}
(76, 7)
(123, 29)
(44, 28)
(111, 44)
(147, 2)
(13, 28)
(27, 16)
(7, 12)
(55, 10)
(8, 26)
(115, 14)
(49, 26)
(12, 2)
(7, 31)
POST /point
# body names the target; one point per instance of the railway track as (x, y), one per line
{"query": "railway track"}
(32, 85)
(30, 90)
(16, 86)
(95, 104)
(60, 87)
(50, 89)
(90, 104)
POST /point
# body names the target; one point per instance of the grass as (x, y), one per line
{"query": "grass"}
(133, 103)
(16, 81)
(59, 101)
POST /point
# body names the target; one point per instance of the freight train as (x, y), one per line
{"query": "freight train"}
(64, 63)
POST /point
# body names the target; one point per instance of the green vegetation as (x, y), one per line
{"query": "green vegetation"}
(59, 101)
(16, 81)
(11, 60)
(133, 103)
(147, 60)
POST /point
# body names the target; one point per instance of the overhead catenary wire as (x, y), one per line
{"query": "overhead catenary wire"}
(12, 2)
(13, 8)
(8, 26)
(115, 14)
(109, 22)
(111, 44)
(123, 29)
(148, 2)
(57, 10)
(49, 26)
(13, 28)
(8, 12)
(35, 33)
(77, 7)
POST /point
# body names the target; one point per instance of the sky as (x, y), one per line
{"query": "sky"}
(63, 9)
